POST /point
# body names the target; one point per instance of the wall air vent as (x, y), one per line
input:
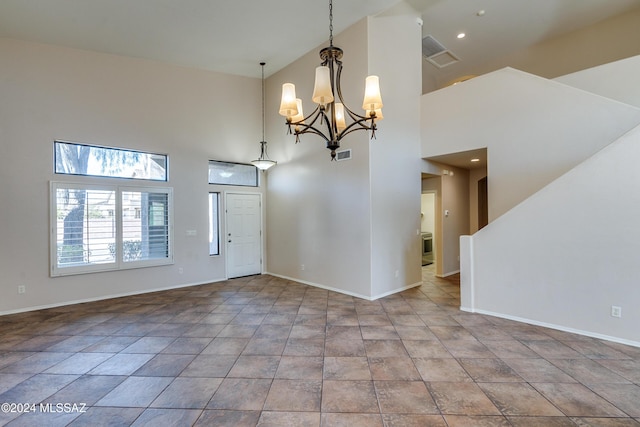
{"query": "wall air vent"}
(436, 53)
(343, 155)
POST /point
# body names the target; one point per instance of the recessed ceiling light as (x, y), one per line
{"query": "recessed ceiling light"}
(475, 160)
(461, 35)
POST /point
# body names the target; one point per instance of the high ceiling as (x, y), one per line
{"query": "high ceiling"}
(233, 36)
(495, 29)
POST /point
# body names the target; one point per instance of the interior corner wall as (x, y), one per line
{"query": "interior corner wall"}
(318, 212)
(394, 54)
(50, 93)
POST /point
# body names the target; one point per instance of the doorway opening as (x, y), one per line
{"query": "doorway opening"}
(483, 203)
(462, 202)
(428, 227)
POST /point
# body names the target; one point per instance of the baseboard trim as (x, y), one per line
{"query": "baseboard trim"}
(318, 285)
(342, 291)
(395, 291)
(106, 297)
(554, 326)
(451, 273)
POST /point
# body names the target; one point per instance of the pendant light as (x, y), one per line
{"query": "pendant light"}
(263, 162)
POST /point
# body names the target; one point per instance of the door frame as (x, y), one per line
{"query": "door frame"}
(226, 229)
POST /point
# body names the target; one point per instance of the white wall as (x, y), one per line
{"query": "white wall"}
(455, 217)
(395, 54)
(318, 210)
(51, 93)
(534, 129)
(568, 253)
(598, 80)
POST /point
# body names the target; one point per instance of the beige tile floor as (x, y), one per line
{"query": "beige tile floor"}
(270, 352)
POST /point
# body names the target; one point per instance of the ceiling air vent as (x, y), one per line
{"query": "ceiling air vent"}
(436, 53)
(343, 155)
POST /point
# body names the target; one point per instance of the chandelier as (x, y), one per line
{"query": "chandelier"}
(263, 162)
(331, 111)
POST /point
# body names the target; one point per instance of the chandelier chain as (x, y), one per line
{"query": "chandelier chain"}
(331, 22)
(262, 64)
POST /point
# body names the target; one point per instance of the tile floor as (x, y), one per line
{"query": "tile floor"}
(269, 352)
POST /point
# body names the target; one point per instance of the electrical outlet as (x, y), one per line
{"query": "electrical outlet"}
(302, 267)
(22, 289)
(616, 311)
(180, 270)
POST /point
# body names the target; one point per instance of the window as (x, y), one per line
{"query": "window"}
(214, 224)
(145, 237)
(85, 233)
(91, 160)
(109, 227)
(226, 173)
(98, 228)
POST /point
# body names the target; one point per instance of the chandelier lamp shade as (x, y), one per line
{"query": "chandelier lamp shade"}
(263, 162)
(332, 119)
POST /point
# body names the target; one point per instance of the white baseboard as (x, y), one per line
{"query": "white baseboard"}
(451, 273)
(318, 285)
(395, 291)
(553, 326)
(105, 297)
(342, 291)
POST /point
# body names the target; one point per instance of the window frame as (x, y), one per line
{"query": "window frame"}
(118, 263)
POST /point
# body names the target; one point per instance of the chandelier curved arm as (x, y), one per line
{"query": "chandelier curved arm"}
(359, 125)
(359, 121)
(311, 129)
(300, 127)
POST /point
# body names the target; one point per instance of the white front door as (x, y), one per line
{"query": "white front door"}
(244, 231)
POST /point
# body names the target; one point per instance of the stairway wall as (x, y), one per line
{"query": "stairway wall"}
(564, 193)
(563, 243)
(534, 129)
(567, 254)
(616, 80)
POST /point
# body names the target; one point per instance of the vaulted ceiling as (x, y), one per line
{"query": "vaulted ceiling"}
(233, 36)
